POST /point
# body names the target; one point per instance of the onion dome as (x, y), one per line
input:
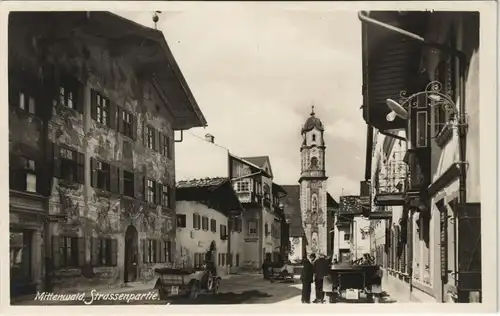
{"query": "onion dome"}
(312, 122)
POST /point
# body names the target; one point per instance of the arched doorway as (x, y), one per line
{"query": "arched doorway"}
(131, 254)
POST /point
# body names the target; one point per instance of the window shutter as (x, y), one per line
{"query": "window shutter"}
(93, 172)
(79, 96)
(57, 160)
(144, 134)
(80, 173)
(81, 251)
(114, 252)
(145, 250)
(158, 251)
(159, 193)
(162, 251)
(139, 185)
(159, 136)
(114, 179)
(156, 140)
(170, 149)
(171, 197)
(120, 180)
(134, 127)
(95, 252)
(93, 104)
(113, 109)
(409, 241)
(56, 251)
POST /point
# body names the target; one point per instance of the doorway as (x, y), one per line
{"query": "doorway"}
(131, 254)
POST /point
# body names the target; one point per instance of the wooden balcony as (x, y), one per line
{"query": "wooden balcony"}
(249, 198)
(389, 199)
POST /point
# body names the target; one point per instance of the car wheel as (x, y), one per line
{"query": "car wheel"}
(194, 290)
(216, 286)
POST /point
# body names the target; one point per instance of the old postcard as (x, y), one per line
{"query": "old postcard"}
(285, 157)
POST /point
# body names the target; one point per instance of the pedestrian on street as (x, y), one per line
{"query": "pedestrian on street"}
(321, 268)
(265, 268)
(307, 277)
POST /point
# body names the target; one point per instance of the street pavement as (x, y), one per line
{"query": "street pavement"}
(237, 289)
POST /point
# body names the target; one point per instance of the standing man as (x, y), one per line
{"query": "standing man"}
(321, 267)
(307, 277)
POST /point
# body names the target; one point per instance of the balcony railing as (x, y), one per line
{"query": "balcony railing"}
(391, 183)
(249, 197)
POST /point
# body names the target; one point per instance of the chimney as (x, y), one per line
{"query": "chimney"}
(209, 138)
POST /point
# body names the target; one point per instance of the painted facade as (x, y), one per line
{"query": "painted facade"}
(313, 186)
(432, 238)
(105, 150)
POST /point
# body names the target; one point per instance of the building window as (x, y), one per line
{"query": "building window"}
(266, 229)
(347, 237)
(69, 252)
(314, 163)
(213, 225)
(164, 145)
(165, 195)
(181, 220)
(127, 124)
(167, 251)
(151, 191)
(204, 223)
(23, 176)
(314, 137)
(196, 221)
(242, 186)
(252, 227)
(102, 109)
(223, 231)
(151, 255)
(102, 175)
(150, 137)
(237, 224)
(105, 252)
(71, 165)
(128, 183)
(237, 263)
(66, 97)
(26, 103)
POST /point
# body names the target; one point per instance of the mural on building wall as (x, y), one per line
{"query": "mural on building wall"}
(314, 218)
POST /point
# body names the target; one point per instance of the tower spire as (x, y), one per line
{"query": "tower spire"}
(312, 110)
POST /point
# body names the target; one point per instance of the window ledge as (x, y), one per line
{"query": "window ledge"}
(445, 135)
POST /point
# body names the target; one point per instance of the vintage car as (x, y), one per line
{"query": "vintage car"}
(186, 282)
(282, 271)
(354, 282)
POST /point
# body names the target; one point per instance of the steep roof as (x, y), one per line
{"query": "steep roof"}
(202, 183)
(260, 161)
(207, 188)
(292, 210)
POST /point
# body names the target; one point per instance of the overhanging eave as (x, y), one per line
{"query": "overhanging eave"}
(389, 199)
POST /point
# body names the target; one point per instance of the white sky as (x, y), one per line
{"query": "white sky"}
(255, 70)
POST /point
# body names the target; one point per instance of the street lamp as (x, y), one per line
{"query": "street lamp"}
(434, 95)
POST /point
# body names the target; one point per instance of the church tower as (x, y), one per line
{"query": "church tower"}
(313, 190)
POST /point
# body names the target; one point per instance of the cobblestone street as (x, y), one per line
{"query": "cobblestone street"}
(238, 289)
